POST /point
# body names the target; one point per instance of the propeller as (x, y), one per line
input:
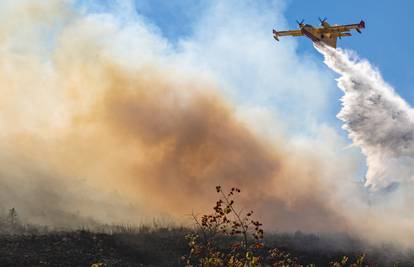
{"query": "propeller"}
(322, 20)
(300, 22)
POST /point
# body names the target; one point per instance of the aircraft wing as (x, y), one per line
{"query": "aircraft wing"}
(343, 28)
(276, 34)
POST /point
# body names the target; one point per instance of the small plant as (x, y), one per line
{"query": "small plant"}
(230, 237)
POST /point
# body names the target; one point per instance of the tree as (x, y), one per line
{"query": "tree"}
(12, 218)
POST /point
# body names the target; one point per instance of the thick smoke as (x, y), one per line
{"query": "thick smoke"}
(100, 123)
(378, 121)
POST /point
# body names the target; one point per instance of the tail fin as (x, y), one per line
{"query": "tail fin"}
(276, 35)
(361, 25)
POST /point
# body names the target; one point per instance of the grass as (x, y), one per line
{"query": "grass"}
(217, 239)
(147, 246)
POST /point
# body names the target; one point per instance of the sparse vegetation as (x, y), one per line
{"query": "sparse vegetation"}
(228, 236)
(231, 237)
(244, 233)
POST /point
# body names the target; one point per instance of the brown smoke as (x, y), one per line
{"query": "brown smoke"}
(183, 146)
(86, 136)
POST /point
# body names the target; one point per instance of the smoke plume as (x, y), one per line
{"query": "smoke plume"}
(100, 123)
(378, 121)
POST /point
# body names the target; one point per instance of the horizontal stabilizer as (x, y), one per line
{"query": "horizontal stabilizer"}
(275, 35)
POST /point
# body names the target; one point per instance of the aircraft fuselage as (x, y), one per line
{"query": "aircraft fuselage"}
(310, 32)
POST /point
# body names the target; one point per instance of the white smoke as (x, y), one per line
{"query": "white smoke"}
(378, 121)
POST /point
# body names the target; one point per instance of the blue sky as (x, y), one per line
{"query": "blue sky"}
(386, 43)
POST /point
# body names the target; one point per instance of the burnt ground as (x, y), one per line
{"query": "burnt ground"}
(83, 248)
(164, 247)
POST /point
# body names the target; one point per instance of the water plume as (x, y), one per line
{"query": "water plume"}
(377, 120)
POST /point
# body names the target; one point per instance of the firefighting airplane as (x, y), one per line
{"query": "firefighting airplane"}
(327, 34)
